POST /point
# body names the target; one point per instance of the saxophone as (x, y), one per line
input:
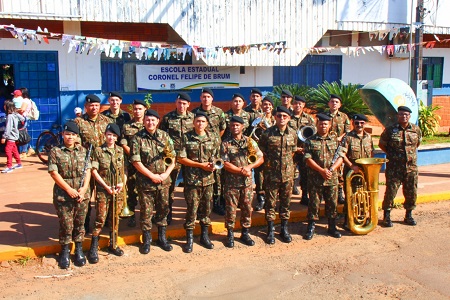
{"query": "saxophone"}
(251, 158)
(168, 155)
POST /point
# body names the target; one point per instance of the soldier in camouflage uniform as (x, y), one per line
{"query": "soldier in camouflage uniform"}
(286, 99)
(149, 148)
(114, 112)
(235, 151)
(200, 148)
(400, 142)
(108, 171)
(92, 127)
(176, 123)
(67, 165)
(320, 156)
(278, 144)
(255, 106)
(359, 144)
(237, 104)
(299, 120)
(128, 131)
(217, 125)
(340, 125)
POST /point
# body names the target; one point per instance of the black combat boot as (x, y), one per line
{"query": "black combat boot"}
(162, 241)
(93, 251)
(270, 239)
(245, 237)
(64, 257)
(261, 199)
(305, 199)
(341, 199)
(116, 251)
(80, 259)
(217, 207)
(345, 223)
(332, 231)
(230, 239)
(310, 231)
(295, 190)
(169, 215)
(284, 233)
(387, 219)
(409, 220)
(132, 221)
(189, 241)
(204, 238)
(147, 240)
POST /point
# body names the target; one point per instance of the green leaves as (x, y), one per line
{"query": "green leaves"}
(428, 119)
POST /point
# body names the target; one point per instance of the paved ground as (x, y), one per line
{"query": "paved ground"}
(29, 226)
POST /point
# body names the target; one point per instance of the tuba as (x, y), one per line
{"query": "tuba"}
(362, 197)
(306, 132)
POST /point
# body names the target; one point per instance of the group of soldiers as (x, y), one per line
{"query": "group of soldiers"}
(221, 156)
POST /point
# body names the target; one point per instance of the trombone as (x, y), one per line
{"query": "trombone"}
(126, 212)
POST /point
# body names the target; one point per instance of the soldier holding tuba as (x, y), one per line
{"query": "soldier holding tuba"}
(241, 154)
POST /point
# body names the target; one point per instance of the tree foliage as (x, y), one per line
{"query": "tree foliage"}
(295, 89)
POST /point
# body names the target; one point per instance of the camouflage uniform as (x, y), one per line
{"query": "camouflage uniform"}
(69, 163)
(103, 158)
(401, 168)
(278, 149)
(92, 132)
(128, 131)
(149, 149)
(120, 119)
(198, 188)
(358, 147)
(322, 150)
(176, 126)
(244, 115)
(254, 114)
(340, 123)
(238, 188)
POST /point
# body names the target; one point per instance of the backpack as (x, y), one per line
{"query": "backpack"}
(34, 111)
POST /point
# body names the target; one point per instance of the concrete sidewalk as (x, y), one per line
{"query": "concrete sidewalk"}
(29, 225)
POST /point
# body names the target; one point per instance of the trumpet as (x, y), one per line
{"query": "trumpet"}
(251, 158)
(306, 132)
(218, 163)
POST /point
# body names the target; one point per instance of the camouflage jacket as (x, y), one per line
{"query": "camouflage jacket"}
(216, 119)
(92, 132)
(129, 129)
(358, 147)
(228, 115)
(254, 113)
(278, 149)
(69, 163)
(401, 146)
(322, 150)
(304, 119)
(119, 119)
(104, 159)
(199, 149)
(236, 152)
(150, 150)
(176, 126)
(340, 123)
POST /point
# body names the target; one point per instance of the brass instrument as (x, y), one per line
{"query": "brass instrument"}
(114, 207)
(168, 155)
(306, 132)
(259, 123)
(251, 158)
(218, 163)
(126, 212)
(362, 199)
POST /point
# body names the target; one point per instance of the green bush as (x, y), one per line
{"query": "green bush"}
(428, 119)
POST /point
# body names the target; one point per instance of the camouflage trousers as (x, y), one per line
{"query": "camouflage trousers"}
(103, 205)
(393, 181)
(132, 195)
(217, 182)
(329, 193)
(282, 191)
(303, 169)
(158, 200)
(259, 180)
(243, 196)
(174, 176)
(72, 215)
(198, 198)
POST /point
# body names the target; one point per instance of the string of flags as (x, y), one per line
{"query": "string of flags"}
(161, 52)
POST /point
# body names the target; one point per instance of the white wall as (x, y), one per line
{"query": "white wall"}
(256, 76)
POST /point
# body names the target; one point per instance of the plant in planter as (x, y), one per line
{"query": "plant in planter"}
(429, 119)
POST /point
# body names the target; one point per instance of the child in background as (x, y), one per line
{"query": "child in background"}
(11, 136)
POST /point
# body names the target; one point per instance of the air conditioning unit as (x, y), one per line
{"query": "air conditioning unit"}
(398, 55)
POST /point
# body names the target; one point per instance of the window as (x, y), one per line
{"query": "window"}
(432, 69)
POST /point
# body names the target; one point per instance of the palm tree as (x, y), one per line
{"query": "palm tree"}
(295, 89)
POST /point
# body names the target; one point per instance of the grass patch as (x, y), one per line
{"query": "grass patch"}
(23, 261)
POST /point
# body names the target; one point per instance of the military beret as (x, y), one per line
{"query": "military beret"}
(151, 113)
(299, 98)
(113, 128)
(404, 108)
(115, 94)
(235, 95)
(335, 96)
(256, 91)
(285, 110)
(71, 126)
(360, 117)
(237, 119)
(286, 92)
(139, 101)
(184, 96)
(92, 99)
(208, 90)
(268, 99)
(201, 114)
(323, 117)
